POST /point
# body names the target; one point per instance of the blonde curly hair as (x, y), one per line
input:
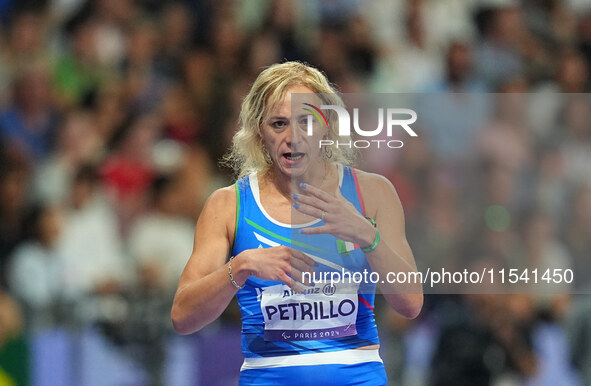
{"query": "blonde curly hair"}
(247, 153)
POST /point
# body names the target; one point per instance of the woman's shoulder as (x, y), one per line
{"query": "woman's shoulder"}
(372, 181)
(223, 195)
(376, 191)
(219, 211)
(222, 201)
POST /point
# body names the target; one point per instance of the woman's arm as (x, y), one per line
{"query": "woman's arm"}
(205, 289)
(393, 253)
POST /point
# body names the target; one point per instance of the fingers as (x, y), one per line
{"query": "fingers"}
(309, 210)
(314, 191)
(309, 200)
(293, 266)
(296, 257)
(300, 277)
(300, 265)
(303, 276)
(314, 202)
(323, 229)
(285, 278)
(304, 257)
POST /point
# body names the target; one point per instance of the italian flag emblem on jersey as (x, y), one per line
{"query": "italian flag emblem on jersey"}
(344, 247)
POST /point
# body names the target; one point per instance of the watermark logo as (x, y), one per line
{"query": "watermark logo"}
(315, 112)
(391, 119)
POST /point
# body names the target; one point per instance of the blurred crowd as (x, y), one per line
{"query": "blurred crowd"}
(114, 115)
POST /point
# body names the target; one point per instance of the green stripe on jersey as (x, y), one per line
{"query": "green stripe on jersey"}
(279, 237)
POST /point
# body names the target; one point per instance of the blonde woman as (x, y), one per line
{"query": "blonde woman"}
(294, 330)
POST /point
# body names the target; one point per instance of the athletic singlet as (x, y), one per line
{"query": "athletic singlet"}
(276, 321)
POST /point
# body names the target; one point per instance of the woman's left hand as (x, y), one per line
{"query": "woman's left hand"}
(341, 218)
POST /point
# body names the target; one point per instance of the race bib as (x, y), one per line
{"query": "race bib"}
(325, 311)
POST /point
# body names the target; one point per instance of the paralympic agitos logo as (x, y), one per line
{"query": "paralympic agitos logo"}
(393, 117)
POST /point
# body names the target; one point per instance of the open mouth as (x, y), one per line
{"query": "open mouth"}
(293, 157)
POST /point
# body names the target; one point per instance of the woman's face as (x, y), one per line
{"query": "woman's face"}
(284, 132)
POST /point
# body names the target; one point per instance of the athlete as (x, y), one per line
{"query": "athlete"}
(296, 212)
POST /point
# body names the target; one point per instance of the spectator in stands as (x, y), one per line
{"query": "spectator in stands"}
(161, 240)
(95, 267)
(36, 273)
(31, 122)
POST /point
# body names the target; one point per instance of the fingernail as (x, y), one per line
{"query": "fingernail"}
(295, 196)
(302, 231)
(296, 205)
(303, 185)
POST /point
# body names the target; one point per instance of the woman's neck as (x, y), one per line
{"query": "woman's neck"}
(320, 177)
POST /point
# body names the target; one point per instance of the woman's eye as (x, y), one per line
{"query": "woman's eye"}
(279, 124)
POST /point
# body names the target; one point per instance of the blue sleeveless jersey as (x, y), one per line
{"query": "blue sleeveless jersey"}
(256, 229)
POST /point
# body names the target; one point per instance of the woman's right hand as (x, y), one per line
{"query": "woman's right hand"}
(279, 263)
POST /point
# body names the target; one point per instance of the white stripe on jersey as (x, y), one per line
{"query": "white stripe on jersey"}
(344, 357)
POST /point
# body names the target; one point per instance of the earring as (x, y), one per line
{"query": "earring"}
(326, 151)
(267, 156)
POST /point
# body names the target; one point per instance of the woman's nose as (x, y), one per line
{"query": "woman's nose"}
(295, 135)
